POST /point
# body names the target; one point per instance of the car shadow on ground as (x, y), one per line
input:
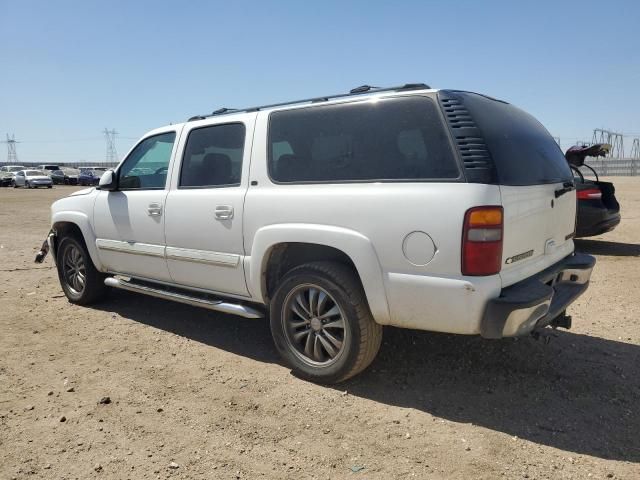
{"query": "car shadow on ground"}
(578, 393)
(602, 247)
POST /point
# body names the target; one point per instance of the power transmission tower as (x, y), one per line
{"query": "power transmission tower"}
(12, 155)
(635, 149)
(557, 139)
(110, 138)
(612, 138)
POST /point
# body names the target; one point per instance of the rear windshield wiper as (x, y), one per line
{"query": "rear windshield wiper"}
(566, 188)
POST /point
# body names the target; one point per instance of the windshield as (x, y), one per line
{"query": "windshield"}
(14, 169)
(33, 173)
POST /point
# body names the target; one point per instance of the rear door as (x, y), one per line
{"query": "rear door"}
(204, 209)
(536, 187)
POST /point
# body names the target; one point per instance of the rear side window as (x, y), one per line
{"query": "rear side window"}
(523, 151)
(213, 156)
(384, 140)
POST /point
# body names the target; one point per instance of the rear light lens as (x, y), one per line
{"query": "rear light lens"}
(590, 194)
(482, 241)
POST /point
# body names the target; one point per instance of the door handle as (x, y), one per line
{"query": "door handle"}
(154, 210)
(224, 212)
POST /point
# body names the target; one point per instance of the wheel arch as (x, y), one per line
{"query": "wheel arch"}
(285, 246)
(76, 224)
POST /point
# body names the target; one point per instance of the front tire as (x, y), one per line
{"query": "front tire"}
(81, 282)
(321, 323)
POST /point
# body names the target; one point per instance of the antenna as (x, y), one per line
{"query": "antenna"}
(12, 155)
(110, 138)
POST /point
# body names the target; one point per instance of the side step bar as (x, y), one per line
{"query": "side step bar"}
(189, 299)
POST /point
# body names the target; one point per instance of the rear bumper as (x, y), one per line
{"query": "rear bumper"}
(537, 301)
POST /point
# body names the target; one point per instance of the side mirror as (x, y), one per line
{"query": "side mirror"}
(108, 181)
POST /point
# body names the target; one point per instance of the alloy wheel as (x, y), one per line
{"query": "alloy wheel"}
(314, 325)
(74, 270)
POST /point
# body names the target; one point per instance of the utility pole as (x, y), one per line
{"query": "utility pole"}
(110, 138)
(12, 155)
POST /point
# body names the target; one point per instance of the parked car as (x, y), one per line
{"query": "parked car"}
(32, 179)
(7, 173)
(90, 176)
(65, 176)
(598, 208)
(48, 168)
(428, 209)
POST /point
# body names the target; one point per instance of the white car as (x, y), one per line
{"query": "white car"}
(48, 168)
(420, 208)
(32, 179)
(7, 173)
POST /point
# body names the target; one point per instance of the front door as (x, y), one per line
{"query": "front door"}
(129, 222)
(203, 211)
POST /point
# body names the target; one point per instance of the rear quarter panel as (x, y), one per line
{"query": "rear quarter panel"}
(384, 214)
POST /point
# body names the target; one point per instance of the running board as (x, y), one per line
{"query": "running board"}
(189, 299)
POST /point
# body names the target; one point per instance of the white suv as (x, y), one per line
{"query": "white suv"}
(428, 209)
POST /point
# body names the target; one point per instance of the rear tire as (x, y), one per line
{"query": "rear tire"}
(81, 282)
(321, 323)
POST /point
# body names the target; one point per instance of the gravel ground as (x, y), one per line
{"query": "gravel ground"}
(194, 394)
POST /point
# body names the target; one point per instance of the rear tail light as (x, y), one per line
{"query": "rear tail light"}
(590, 194)
(482, 241)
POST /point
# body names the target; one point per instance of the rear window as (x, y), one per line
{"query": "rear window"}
(383, 140)
(523, 151)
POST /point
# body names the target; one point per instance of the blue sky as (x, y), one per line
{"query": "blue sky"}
(71, 68)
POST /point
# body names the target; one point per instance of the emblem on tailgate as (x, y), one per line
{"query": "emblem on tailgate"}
(520, 256)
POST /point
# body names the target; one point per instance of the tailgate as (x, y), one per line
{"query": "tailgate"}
(538, 229)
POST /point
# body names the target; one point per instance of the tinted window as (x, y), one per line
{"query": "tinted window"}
(147, 165)
(213, 156)
(389, 139)
(523, 151)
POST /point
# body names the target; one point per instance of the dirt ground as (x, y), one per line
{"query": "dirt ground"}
(209, 393)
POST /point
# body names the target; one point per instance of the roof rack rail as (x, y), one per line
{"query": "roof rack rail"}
(354, 91)
(222, 110)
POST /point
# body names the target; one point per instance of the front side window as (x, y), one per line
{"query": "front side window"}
(384, 140)
(147, 165)
(213, 157)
